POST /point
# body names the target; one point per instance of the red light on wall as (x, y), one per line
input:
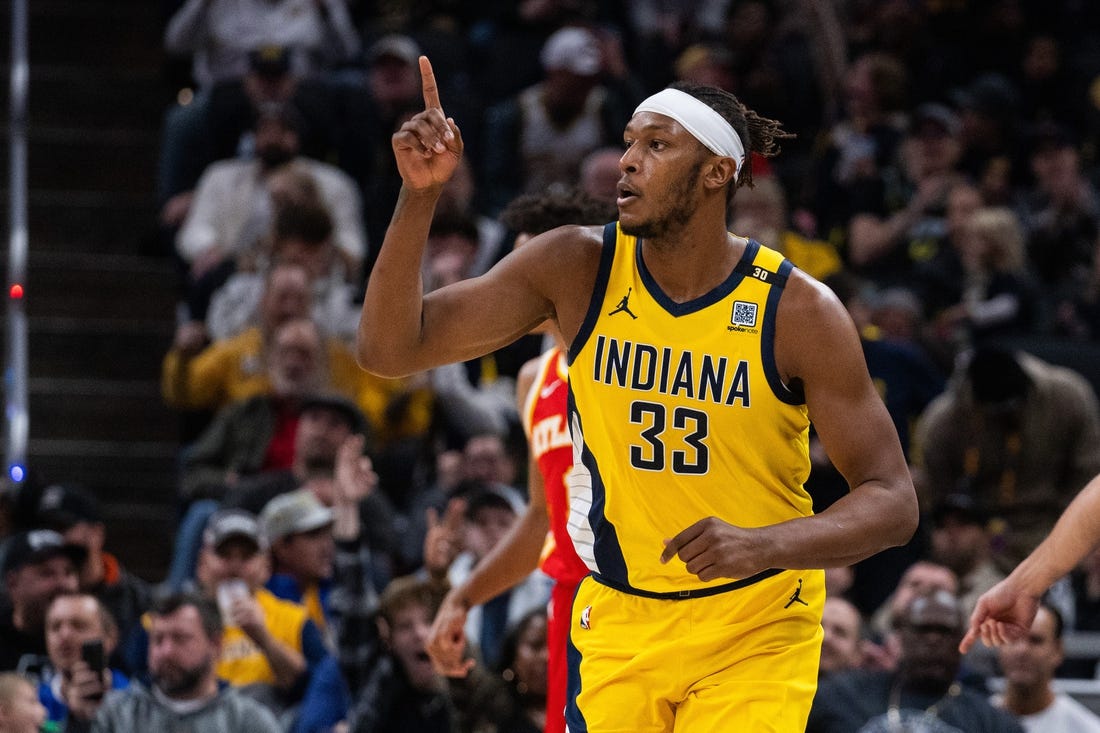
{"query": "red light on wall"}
(15, 292)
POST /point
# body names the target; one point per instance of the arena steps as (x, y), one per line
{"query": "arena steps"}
(100, 298)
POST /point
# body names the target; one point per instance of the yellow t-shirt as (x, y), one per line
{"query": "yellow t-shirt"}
(242, 662)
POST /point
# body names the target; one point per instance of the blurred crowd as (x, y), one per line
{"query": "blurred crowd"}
(943, 181)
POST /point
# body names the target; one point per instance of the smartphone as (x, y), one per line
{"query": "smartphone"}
(93, 655)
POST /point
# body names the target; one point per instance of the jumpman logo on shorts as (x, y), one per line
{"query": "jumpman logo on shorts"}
(622, 307)
(796, 597)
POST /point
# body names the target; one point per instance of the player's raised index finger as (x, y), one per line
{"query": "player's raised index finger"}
(431, 90)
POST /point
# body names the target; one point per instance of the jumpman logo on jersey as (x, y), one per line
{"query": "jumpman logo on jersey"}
(622, 307)
(796, 597)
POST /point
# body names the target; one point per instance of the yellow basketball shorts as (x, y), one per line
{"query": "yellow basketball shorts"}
(741, 660)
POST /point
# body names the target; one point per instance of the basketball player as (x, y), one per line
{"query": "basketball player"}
(697, 360)
(541, 395)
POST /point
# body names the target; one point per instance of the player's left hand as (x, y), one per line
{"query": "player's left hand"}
(712, 549)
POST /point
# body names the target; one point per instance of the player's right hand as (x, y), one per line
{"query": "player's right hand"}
(1002, 614)
(428, 146)
(446, 643)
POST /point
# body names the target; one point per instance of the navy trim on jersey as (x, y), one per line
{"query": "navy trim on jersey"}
(682, 595)
(595, 305)
(707, 299)
(767, 341)
(606, 549)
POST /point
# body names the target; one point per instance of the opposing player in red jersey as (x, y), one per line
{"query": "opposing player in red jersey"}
(540, 538)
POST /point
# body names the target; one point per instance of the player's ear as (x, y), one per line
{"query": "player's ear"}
(719, 171)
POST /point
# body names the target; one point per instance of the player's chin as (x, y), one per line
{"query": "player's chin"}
(633, 225)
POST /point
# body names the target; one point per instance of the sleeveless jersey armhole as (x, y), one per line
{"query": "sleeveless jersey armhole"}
(607, 256)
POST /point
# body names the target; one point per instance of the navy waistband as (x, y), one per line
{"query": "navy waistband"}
(682, 595)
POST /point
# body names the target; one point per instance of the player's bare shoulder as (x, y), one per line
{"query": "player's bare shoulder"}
(563, 263)
(805, 296)
(810, 321)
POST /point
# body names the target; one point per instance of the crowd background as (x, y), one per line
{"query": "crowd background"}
(943, 181)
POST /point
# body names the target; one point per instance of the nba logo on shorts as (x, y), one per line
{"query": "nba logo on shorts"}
(585, 617)
(744, 314)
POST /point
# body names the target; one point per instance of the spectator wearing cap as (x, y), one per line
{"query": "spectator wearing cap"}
(318, 562)
(75, 513)
(484, 459)
(989, 113)
(38, 565)
(299, 528)
(961, 540)
(327, 423)
(922, 576)
(901, 218)
(270, 80)
(1018, 434)
(538, 137)
(269, 644)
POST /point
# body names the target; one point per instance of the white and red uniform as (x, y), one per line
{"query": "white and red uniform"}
(544, 419)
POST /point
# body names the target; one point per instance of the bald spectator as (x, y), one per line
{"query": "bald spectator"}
(600, 174)
(195, 375)
(924, 693)
(919, 578)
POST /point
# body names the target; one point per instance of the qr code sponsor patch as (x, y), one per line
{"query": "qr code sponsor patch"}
(744, 314)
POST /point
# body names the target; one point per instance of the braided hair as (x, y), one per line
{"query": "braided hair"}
(759, 135)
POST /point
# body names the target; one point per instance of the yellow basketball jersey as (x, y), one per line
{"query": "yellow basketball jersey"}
(677, 413)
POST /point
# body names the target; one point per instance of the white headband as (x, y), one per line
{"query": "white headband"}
(705, 125)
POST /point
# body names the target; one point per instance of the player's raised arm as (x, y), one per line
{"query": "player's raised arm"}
(400, 330)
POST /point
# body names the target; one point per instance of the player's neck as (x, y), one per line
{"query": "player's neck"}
(698, 263)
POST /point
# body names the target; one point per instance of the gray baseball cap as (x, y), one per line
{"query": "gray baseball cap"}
(292, 513)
